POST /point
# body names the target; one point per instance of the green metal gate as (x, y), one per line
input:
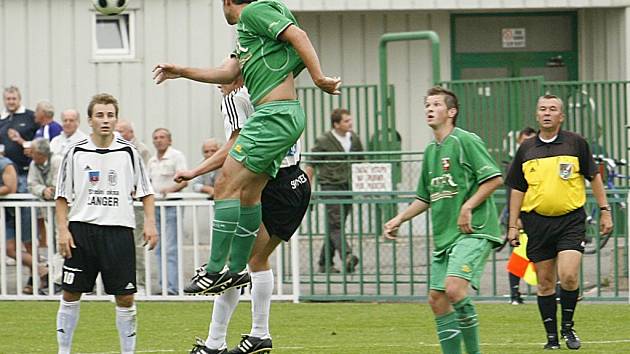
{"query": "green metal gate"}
(497, 109)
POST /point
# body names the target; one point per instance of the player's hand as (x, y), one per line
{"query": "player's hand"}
(165, 71)
(329, 85)
(605, 222)
(464, 222)
(65, 243)
(150, 235)
(181, 176)
(513, 237)
(390, 229)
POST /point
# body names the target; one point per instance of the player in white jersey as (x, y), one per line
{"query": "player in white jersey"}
(100, 176)
(284, 203)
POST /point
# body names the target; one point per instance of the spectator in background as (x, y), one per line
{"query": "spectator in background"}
(515, 294)
(44, 115)
(125, 129)
(70, 120)
(8, 185)
(205, 183)
(17, 125)
(48, 129)
(335, 176)
(162, 167)
(42, 179)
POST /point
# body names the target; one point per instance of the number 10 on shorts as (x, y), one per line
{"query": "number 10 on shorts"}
(68, 277)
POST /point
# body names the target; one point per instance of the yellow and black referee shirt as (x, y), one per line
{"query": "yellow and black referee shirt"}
(552, 174)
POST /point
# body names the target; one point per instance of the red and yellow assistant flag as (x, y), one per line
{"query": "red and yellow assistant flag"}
(520, 265)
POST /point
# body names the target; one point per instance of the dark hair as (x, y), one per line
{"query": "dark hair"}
(526, 131)
(450, 99)
(102, 98)
(336, 115)
(240, 2)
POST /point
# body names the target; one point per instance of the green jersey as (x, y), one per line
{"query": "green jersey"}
(265, 60)
(451, 173)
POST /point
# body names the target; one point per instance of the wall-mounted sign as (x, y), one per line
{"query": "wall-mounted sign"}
(513, 37)
(371, 177)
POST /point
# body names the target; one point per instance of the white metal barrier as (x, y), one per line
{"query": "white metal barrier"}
(194, 215)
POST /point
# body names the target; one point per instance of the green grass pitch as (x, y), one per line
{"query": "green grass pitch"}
(339, 328)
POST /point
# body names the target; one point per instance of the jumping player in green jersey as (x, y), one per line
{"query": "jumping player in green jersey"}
(458, 174)
(270, 52)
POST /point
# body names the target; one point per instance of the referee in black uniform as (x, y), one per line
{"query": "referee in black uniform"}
(549, 192)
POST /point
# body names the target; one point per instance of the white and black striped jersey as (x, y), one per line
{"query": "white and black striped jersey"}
(102, 182)
(236, 108)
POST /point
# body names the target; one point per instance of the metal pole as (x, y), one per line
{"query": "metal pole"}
(397, 37)
(295, 266)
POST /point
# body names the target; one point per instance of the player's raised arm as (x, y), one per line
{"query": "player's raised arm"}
(303, 46)
(227, 72)
(210, 164)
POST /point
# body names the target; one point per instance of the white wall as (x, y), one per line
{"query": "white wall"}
(47, 48)
(603, 40)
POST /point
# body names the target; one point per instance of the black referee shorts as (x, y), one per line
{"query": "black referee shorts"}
(284, 202)
(548, 235)
(109, 250)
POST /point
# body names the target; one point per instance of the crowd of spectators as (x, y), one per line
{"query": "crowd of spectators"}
(32, 144)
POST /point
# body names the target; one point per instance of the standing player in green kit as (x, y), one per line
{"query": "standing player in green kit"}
(458, 174)
(270, 52)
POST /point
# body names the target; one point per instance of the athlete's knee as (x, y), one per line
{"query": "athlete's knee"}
(439, 302)
(70, 296)
(124, 300)
(455, 288)
(258, 263)
(569, 281)
(546, 286)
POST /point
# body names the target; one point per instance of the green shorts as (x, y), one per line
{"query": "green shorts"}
(268, 135)
(465, 259)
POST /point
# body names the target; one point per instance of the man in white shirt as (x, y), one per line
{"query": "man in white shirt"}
(162, 168)
(71, 133)
(125, 129)
(100, 176)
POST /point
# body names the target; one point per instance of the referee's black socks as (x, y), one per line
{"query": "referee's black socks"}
(568, 301)
(548, 307)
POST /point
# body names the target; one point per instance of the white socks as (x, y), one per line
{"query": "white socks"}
(126, 324)
(262, 289)
(67, 318)
(222, 310)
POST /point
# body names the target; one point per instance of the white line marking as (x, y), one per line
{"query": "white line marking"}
(514, 344)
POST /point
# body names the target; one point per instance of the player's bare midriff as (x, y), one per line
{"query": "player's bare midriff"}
(283, 92)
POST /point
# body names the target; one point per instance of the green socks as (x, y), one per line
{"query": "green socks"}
(468, 324)
(226, 215)
(245, 236)
(449, 334)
